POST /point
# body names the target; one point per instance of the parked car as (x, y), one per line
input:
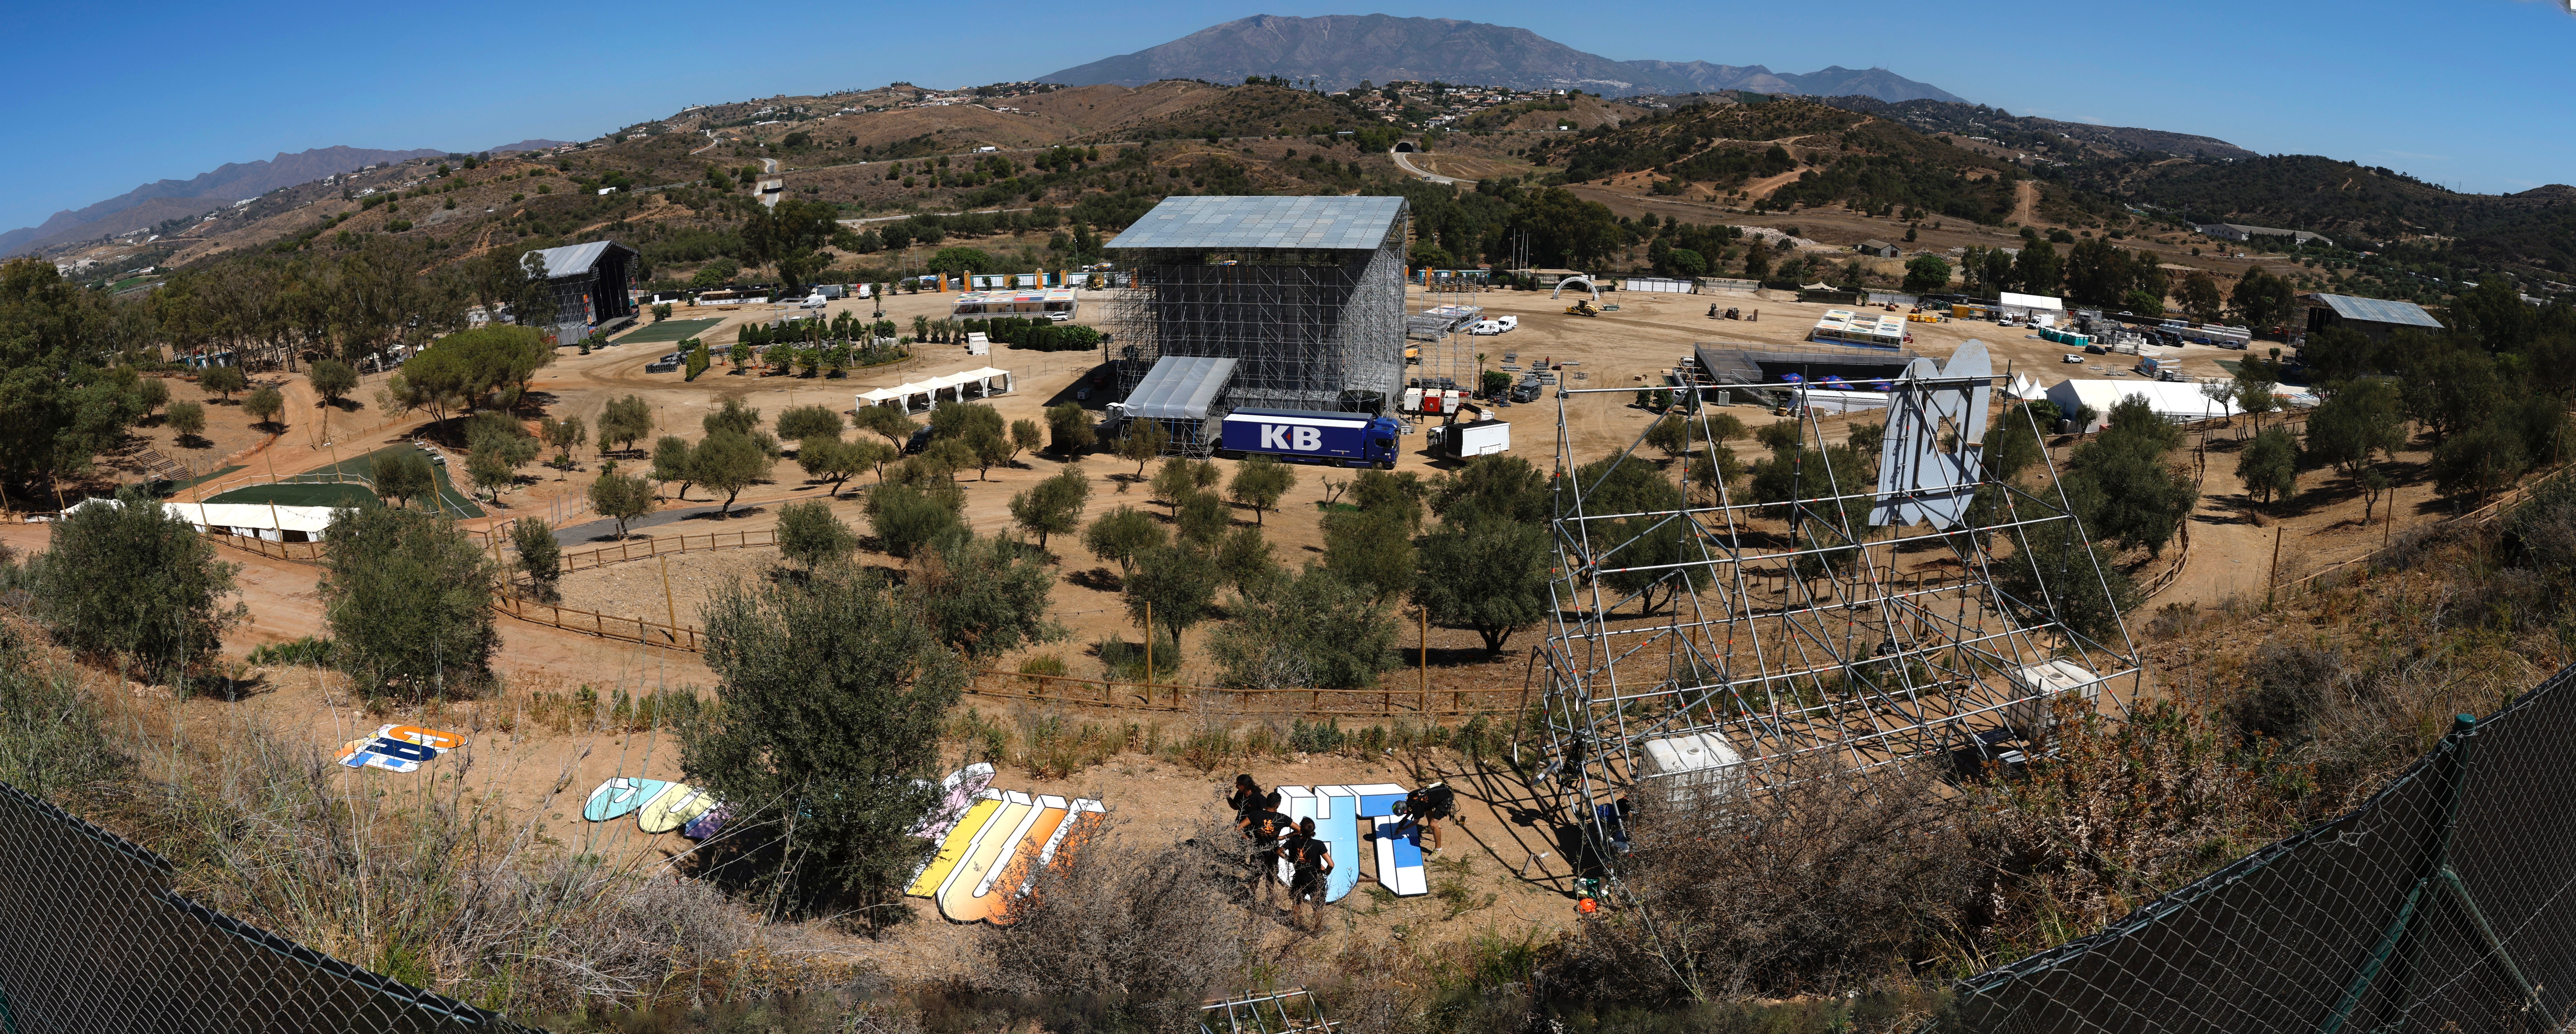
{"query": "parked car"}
(2072, 358)
(920, 440)
(2095, 350)
(666, 364)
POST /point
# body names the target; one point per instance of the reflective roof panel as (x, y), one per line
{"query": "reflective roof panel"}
(1329, 223)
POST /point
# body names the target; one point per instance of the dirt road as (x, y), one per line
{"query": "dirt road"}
(1405, 161)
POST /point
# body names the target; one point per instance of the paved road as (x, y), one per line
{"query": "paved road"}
(1406, 163)
(591, 533)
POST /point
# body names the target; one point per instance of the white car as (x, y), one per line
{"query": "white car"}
(1485, 328)
(2073, 358)
(1507, 323)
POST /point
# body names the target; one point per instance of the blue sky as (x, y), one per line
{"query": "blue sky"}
(2473, 93)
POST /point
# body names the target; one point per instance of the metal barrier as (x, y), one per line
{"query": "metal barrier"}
(96, 940)
(2447, 902)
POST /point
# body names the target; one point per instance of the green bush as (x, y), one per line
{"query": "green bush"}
(698, 361)
(308, 650)
(1035, 334)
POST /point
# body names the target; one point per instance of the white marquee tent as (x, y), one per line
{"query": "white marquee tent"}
(955, 387)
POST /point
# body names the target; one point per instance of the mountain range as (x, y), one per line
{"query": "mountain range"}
(1343, 49)
(171, 199)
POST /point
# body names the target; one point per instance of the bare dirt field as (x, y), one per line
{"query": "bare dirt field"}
(533, 771)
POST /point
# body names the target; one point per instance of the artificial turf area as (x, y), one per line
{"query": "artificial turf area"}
(668, 330)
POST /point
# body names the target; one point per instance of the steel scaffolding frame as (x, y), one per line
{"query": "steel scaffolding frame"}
(1306, 327)
(1827, 650)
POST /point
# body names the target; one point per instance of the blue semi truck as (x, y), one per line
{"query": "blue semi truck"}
(1346, 439)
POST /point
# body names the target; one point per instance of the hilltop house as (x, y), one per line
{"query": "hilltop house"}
(1878, 249)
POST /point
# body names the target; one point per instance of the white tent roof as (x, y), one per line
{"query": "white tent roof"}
(2031, 301)
(2172, 400)
(986, 373)
(308, 519)
(1180, 387)
(2026, 388)
(884, 394)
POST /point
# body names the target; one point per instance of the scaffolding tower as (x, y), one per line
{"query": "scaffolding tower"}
(1706, 648)
(1305, 293)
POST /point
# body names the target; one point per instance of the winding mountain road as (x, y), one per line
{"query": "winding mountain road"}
(1406, 164)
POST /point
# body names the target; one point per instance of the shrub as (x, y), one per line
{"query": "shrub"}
(409, 599)
(539, 555)
(831, 698)
(808, 533)
(134, 583)
(907, 519)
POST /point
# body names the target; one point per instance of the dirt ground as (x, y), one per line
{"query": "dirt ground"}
(538, 774)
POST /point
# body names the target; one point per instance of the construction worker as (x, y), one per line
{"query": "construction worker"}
(1310, 859)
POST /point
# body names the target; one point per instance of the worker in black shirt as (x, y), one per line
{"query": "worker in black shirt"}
(1425, 807)
(1246, 798)
(1263, 828)
(1310, 859)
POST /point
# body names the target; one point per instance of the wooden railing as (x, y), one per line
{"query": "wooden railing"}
(1389, 700)
(298, 552)
(606, 626)
(653, 547)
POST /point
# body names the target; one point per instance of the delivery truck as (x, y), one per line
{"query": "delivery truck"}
(1346, 439)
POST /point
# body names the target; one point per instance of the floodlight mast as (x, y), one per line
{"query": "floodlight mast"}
(1810, 636)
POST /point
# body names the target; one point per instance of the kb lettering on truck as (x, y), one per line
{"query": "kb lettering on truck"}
(1274, 436)
(1309, 439)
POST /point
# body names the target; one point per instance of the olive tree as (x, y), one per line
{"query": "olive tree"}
(409, 602)
(131, 581)
(827, 743)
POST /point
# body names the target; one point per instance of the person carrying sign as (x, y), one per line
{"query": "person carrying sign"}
(1310, 859)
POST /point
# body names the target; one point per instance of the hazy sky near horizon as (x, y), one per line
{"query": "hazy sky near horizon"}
(2474, 93)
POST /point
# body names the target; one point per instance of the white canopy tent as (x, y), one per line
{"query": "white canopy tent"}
(2178, 402)
(955, 387)
(253, 520)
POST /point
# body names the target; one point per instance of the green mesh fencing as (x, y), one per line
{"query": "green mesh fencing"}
(94, 941)
(2447, 902)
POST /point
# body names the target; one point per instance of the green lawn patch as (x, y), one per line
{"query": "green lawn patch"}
(304, 493)
(449, 499)
(176, 487)
(668, 330)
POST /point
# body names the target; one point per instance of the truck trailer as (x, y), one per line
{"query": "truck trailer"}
(1470, 439)
(1345, 439)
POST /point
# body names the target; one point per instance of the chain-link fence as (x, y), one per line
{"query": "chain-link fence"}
(2447, 902)
(92, 939)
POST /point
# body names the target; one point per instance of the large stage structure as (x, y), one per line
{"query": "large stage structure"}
(1306, 294)
(1708, 648)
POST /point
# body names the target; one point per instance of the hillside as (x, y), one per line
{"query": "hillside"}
(2532, 233)
(2046, 137)
(233, 181)
(1870, 164)
(1097, 155)
(1341, 50)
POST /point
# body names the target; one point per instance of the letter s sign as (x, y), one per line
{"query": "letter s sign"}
(1274, 436)
(1309, 439)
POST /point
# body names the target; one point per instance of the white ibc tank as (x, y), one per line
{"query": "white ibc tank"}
(1692, 765)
